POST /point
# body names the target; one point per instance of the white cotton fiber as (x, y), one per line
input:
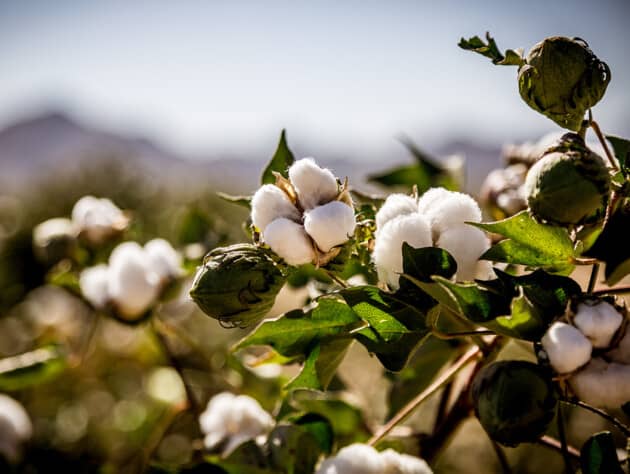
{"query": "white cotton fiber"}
(313, 185)
(270, 203)
(446, 208)
(395, 205)
(602, 384)
(466, 244)
(290, 241)
(397, 463)
(599, 322)
(567, 348)
(163, 258)
(354, 459)
(330, 225)
(93, 282)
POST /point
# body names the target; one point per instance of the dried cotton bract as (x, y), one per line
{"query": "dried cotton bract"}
(306, 218)
(229, 420)
(363, 459)
(437, 219)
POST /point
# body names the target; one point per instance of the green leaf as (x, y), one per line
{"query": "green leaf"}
(297, 332)
(247, 458)
(525, 321)
(320, 365)
(423, 263)
(621, 147)
(243, 201)
(475, 302)
(530, 243)
(491, 50)
(319, 427)
(292, 450)
(599, 455)
(280, 162)
(31, 368)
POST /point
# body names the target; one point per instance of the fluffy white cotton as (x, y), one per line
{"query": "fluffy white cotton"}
(411, 228)
(290, 241)
(599, 322)
(330, 225)
(567, 348)
(313, 185)
(395, 205)
(270, 203)
(97, 218)
(94, 282)
(621, 353)
(397, 463)
(132, 285)
(229, 420)
(602, 384)
(52, 229)
(15, 427)
(445, 208)
(163, 259)
(466, 244)
(354, 459)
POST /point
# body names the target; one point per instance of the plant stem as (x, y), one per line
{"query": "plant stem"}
(618, 424)
(600, 136)
(619, 289)
(584, 261)
(89, 336)
(553, 443)
(564, 447)
(336, 279)
(404, 412)
(593, 279)
(503, 460)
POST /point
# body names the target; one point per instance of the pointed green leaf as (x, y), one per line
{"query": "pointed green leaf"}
(31, 368)
(423, 263)
(247, 458)
(621, 147)
(243, 201)
(530, 243)
(319, 427)
(297, 332)
(320, 365)
(599, 455)
(280, 162)
(490, 50)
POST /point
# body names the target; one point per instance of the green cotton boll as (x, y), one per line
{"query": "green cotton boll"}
(562, 79)
(514, 401)
(237, 285)
(569, 185)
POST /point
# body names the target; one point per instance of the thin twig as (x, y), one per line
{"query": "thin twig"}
(618, 424)
(593, 279)
(503, 460)
(584, 261)
(336, 279)
(619, 289)
(405, 411)
(564, 446)
(553, 443)
(600, 136)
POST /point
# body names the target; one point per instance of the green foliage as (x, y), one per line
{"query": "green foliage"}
(31, 369)
(280, 162)
(621, 147)
(489, 49)
(599, 455)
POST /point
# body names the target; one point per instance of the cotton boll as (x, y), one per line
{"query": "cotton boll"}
(93, 282)
(232, 420)
(446, 208)
(602, 384)
(270, 203)
(97, 218)
(395, 205)
(567, 348)
(396, 463)
(466, 244)
(330, 225)
(599, 322)
(163, 258)
(15, 427)
(411, 228)
(132, 285)
(354, 459)
(52, 229)
(313, 185)
(290, 241)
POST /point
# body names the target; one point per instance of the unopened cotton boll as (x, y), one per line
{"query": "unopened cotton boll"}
(602, 384)
(395, 205)
(15, 427)
(354, 459)
(313, 185)
(466, 244)
(132, 285)
(94, 282)
(290, 241)
(411, 228)
(330, 225)
(397, 463)
(229, 420)
(599, 322)
(270, 203)
(446, 208)
(163, 258)
(567, 348)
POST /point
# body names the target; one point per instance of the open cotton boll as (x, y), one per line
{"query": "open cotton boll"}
(446, 208)
(132, 285)
(93, 282)
(330, 225)
(395, 205)
(313, 185)
(51, 229)
(567, 348)
(602, 384)
(15, 427)
(163, 258)
(97, 218)
(598, 322)
(270, 203)
(290, 241)
(397, 463)
(354, 459)
(466, 244)
(230, 420)
(411, 228)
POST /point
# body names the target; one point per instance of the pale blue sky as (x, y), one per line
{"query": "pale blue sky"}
(208, 77)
